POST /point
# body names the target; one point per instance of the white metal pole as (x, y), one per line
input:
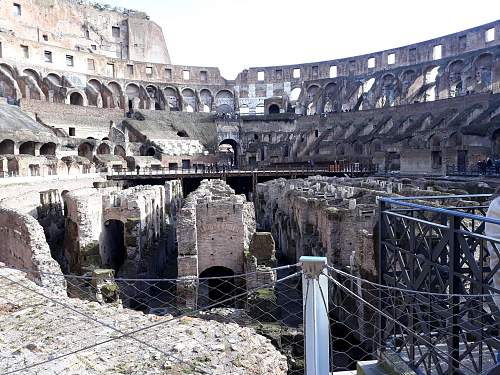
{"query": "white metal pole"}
(316, 325)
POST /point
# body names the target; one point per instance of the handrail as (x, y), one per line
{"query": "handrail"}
(440, 210)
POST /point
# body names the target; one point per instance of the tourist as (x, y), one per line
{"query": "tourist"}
(481, 166)
(489, 165)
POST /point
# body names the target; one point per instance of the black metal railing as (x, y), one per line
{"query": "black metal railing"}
(488, 171)
(441, 313)
(272, 169)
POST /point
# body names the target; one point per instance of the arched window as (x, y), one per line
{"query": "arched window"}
(274, 108)
(76, 99)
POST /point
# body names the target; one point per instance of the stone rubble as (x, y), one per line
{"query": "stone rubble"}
(35, 329)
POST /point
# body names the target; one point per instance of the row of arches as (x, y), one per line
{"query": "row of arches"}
(402, 86)
(9, 147)
(59, 88)
(87, 150)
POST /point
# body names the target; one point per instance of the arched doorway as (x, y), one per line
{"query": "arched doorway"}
(48, 149)
(150, 151)
(113, 249)
(133, 93)
(273, 109)
(85, 150)
(76, 99)
(228, 148)
(27, 148)
(7, 147)
(217, 287)
(224, 101)
(103, 149)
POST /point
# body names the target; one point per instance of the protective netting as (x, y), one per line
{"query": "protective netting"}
(430, 333)
(242, 324)
(152, 326)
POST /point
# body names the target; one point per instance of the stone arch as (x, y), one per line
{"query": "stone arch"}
(113, 97)
(435, 145)
(274, 109)
(430, 74)
(295, 94)
(112, 245)
(236, 149)
(8, 85)
(148, 151)
(76, 98)
(7, 147)
(483, 66)
(330, 97)
(218, 286)
(172, 98)
(55, 79)
(48, 149)
(189, 99)
(120, 151)
(455, 85)
(28, 72)
(224, 101)
(32, 81)
(86, 150)
(455, 140)
(312, 91)
(132, 92)
(455, 66)
(93, 91)
(103, 149)
(435, 141)
(153, 97)
(388, 96)
(206, 98)
(27, 148)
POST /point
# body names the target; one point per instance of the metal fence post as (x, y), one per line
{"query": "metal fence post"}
(316, 324)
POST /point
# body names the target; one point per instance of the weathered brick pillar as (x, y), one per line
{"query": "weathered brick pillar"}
(187, 258)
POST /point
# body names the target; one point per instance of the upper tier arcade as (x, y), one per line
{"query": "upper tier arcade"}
(78, 53)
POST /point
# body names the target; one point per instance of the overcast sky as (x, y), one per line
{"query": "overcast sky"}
(237, 34)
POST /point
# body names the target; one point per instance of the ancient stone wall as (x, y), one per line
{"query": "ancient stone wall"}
(417, 138)
(141, 212)
(93, 28)
(317, 216)
(23, 246)
(214, 228)
(130, 231)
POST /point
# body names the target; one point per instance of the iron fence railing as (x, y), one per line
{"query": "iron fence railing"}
(489, 171)
(442, 315)
(339, 167)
